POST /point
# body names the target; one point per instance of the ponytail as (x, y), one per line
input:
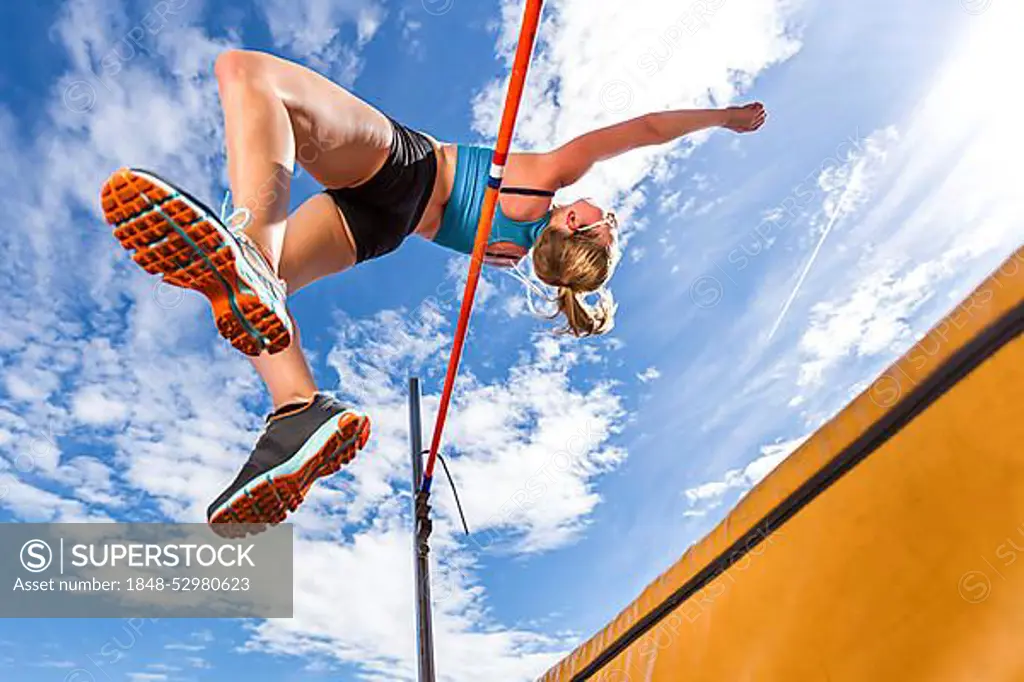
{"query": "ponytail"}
(583, 319)
(577, 267)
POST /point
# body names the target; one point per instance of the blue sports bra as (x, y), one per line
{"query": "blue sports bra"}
(461, 215)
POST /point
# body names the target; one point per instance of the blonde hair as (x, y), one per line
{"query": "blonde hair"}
(577, 265)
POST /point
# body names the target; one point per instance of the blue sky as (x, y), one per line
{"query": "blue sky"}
(766, 280)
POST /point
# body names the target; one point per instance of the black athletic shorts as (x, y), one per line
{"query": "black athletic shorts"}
(385, 210)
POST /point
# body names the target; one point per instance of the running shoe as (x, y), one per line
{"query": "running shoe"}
(299, 445)
(173, 234)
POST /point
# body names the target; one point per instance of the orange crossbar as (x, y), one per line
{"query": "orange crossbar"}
(524, 52)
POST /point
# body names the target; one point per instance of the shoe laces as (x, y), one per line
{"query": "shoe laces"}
(235, 219)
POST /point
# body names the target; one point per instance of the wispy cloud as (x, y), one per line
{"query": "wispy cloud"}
(927, 213)
(667, 55)
(53, 663)
(147, 677)
(846, 189)
(648, 375)
(164, 667)
(524, 449)
(710, 495)
(177, 435)
(198, 663)
(314, 30)
(183, 646)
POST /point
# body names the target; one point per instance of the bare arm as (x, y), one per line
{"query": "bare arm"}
(671, 125)
(571, 161)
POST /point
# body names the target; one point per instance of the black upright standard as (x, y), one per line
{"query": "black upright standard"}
(421, 516)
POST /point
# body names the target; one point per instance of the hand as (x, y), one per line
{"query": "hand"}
(745, 119)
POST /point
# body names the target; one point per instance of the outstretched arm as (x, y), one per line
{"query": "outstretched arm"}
(571, 161)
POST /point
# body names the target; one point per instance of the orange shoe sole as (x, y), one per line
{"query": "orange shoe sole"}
(270, 502)
(191, 254)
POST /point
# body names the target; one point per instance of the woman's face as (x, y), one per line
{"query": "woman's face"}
(584, 216)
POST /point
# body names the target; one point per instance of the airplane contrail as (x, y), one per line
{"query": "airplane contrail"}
(814, 256)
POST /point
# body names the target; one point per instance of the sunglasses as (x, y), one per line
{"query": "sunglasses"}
(609, 220)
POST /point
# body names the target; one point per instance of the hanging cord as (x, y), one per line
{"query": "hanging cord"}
(455, 491)
(531, 288)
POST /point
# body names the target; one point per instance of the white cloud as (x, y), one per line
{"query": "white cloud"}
(183, 425)
(875, 319)
(669, 202)
(92, 406)
(180, 646)
(844, 189)
(596, 65)
(411, 30)
(164, 667)
(936, 211)
(169, 413)
(203, 636)
(116, 374)
(80, 139)
(35, 505)
(707, 496)
(198, 663)
(312, 29)
(53, 663)
(649, 375)
(30, 384)
(943, 211)
(524, 451)
(926, 214)
(377, 569)
(508, 434)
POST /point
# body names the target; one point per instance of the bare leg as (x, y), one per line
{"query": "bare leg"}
(286, 374)
(277, 112)
(315, 245)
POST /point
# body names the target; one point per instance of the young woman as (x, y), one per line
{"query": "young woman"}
(383, 183)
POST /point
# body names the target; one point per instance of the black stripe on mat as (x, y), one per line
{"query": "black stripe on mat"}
(958, 366)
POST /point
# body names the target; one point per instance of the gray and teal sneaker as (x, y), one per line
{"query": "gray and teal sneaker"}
(300, 444)
(173, 234)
